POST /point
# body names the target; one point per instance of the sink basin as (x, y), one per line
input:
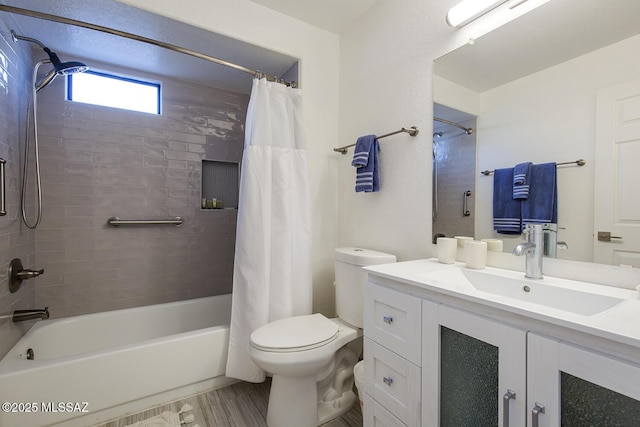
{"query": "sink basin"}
(548, 292)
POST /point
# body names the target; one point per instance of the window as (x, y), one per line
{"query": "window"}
(92, 87)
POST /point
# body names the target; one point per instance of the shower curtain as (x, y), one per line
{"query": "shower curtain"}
(272, 265)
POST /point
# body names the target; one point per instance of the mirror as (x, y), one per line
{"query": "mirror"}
(532, 86)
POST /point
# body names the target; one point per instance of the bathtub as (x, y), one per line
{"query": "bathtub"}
(90, 368)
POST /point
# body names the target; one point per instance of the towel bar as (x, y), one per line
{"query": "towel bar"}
(115, 221)
(413, 131)
(579, 162)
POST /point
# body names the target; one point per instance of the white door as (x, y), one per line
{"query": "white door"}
(617, 175)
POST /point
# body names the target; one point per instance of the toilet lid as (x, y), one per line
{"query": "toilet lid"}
(295, 333)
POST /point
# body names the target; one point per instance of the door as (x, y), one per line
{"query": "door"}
(572, 386)
(617, 174)
(479, 377)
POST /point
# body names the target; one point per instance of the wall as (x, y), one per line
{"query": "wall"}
(318, 51)
(550, 116)
(16, 241)
(100, 162)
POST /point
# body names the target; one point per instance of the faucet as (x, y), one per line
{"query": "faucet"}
(17, 273)
(532, 249)
(24, 315)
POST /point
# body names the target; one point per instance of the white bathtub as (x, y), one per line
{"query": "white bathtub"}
(98, 366)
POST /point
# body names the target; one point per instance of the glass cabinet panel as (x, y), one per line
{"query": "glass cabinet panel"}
(468, 381)
(583, 403)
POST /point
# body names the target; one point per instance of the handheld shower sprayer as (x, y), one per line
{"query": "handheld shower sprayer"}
(59, 69)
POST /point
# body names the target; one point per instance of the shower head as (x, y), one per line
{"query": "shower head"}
(59, 68)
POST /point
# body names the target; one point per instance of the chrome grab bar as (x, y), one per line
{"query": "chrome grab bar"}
(510, 394)
(465, 209)
(3, 200)
(114, 221)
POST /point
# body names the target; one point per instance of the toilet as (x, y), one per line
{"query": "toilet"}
(311, 357)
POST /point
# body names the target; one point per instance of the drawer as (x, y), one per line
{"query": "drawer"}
(393, 382)
(376, 416)
(394, 320)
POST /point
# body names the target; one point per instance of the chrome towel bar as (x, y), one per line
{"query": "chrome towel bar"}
(579, 162)
(413, 131)
(114, 221)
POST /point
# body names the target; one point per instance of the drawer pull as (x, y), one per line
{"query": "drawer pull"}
(387, 319)
(387, 380)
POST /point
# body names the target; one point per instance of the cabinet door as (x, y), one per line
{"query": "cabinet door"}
(572, 386)
(479, 375)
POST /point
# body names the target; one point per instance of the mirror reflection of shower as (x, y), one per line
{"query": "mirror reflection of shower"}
(454, 172)
(59, 69)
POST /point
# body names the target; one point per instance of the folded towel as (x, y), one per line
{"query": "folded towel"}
(521, 178)
(541, 206)
(365, 159)
(506, 211)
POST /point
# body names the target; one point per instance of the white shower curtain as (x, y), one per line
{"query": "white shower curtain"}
(272, 266)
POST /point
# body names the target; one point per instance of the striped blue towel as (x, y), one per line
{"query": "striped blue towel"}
(521, 180)
(365, 159)
(506, 211)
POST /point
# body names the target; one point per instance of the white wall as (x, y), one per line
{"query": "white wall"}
(549, 116)
(386, 64)
(318, 51)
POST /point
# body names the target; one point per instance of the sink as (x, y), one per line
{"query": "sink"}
(549, 292)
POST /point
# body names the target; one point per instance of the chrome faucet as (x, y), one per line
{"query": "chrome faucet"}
(532, 249)
(24, 315)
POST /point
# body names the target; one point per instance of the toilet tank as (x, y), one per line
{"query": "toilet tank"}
(350, 280)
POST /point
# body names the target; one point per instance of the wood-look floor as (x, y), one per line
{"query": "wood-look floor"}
(238, 405)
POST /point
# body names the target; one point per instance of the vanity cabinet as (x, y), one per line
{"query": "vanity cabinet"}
(480, 371)
(474, 369)
(392, 358)
(433, 359)
(575, 386)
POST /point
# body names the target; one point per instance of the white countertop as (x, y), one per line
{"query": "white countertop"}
(620, 323)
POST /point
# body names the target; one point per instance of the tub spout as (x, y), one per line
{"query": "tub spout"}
(24, 315)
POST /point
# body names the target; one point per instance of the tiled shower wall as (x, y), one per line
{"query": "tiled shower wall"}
(100, 162)
(16, 241)
(456, 158)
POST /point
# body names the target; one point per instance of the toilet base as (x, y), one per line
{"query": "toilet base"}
(327, 411)
(291, 403)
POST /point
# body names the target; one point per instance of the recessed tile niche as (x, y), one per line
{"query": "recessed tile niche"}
(220, 181)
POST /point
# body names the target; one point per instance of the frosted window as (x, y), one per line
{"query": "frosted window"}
(108, 90)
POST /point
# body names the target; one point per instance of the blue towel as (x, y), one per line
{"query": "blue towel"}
(521, 180)
(365, 159)
(542, 205)
(506, 211)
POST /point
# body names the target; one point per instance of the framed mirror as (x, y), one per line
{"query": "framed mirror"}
(545, 88)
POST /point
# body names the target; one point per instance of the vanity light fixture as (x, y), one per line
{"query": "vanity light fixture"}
(468, 10)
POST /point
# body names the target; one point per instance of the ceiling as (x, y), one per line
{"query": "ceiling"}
(76, 43)
(331, 15)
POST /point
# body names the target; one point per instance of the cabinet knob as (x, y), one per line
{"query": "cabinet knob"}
(387, 380)
(387, 319)
(535, 412)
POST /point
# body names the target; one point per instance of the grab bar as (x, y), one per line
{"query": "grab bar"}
(3, 200)
(465, 209)
(115, 221)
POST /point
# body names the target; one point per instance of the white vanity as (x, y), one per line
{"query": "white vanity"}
(450, 346)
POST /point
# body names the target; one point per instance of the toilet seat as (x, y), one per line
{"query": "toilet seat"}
(293, 334)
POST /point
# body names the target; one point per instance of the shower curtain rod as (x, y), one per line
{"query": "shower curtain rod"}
(468, 131)
(69, 21)
(413, 131)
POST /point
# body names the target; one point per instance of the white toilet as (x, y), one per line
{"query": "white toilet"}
(311, 357)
